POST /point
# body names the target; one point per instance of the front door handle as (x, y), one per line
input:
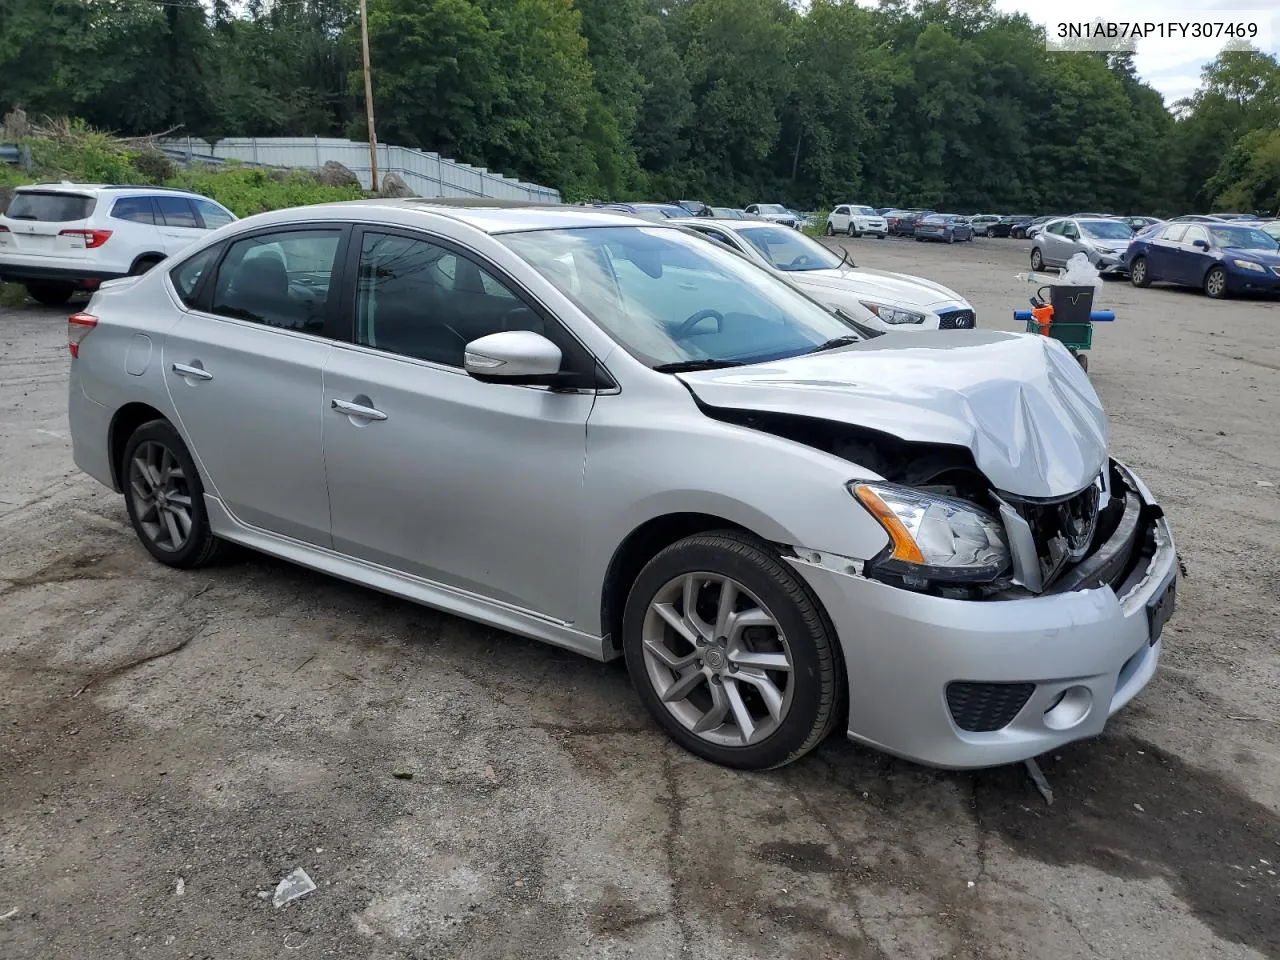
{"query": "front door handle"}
(194, 372)
(361, 411)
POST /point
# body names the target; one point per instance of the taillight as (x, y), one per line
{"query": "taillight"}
(3, 228)
(79, 326)
(92, 238)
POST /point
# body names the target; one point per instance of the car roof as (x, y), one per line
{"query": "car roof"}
(492, 216)
(66, 186)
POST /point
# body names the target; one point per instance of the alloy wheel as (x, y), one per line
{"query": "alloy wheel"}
(1215, 283)
(717, 659)
(161, 496)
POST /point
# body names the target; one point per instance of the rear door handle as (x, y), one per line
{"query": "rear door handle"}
(195, 373)
(358, 410)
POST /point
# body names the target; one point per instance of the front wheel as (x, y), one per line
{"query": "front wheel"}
(880, 236)
(50, 294)
(831, 231)
(165, 498)
(1215, 283)
(951, 238)
(730, 653)
(852, 231)
(1037, 259)
(1138, 275)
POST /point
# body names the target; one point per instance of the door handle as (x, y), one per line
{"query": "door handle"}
(357, 410)
(195, 373)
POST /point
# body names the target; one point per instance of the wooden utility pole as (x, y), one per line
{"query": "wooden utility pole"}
(368, 96)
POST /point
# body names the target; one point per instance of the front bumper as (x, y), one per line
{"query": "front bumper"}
(1251, 281)
(1068, 661)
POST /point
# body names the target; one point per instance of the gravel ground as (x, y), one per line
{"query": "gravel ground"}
(173, 744)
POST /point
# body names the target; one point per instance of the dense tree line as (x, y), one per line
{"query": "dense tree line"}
(941, 102)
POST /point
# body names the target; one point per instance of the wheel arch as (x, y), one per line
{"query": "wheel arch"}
(154, 255)
(639, 547)
(126, 420)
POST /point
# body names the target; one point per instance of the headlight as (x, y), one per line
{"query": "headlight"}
(1249, 265)
(893, 314)
(934, 538)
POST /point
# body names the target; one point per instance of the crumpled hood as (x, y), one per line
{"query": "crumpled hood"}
(1019, 402)
(894, 287)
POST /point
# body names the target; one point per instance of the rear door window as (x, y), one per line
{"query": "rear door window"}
(279, 279)
(134, 209)
(49, 206)
(177, 212)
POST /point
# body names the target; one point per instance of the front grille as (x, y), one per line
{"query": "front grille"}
(983, 707)
(957, 320)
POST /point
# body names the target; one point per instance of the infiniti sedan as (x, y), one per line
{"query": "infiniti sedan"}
(875, 300)
(624, 440)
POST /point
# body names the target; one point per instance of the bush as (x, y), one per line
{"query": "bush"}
(249, 190)
(153, 166)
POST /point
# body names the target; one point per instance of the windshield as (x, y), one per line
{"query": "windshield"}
(728, 213)
(1242, 238)
(788, 250)
(669, 297)
(771, 208)
(864, 211)
(1106, 229)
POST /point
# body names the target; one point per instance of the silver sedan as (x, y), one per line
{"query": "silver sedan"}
(621, 439)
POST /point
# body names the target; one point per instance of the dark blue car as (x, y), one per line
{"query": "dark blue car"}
(1219, 258)
(944, 227)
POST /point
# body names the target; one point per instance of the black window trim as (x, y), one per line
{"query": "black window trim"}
(333, 327)
(583, 362)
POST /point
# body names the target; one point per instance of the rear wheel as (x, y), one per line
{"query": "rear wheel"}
(951, 238)
(1215, 283)
(880, 236)
(165, 498)
(1138, 275)
(991, 234)
(1037, 259)
(730, 653)
(831, 231)
(50, 294)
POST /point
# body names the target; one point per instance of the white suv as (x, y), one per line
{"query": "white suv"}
(57, 238)
(855, 220)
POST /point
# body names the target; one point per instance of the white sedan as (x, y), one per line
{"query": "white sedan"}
(882, 301)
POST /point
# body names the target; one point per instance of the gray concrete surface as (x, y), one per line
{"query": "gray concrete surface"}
(224, 727)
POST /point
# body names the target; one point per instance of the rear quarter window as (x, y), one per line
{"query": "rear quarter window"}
(49, 207)
(133, 209)
(187, 275)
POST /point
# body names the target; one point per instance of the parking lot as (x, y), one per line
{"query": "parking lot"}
(174, 744)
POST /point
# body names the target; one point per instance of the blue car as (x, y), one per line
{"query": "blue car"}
(1219, 258)
(946, 227)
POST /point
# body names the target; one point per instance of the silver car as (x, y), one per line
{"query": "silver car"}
(621, 439)
(1104, 242)
(875, 299)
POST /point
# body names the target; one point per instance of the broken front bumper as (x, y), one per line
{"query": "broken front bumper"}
(979, 683)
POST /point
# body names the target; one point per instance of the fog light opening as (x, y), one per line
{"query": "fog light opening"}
(1069, 708)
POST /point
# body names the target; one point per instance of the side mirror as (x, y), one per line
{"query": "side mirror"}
(1200, 244)
(513, 356)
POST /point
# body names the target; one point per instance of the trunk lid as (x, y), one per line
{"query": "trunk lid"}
(1020, 403)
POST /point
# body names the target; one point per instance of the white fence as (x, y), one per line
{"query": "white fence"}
(427, 174)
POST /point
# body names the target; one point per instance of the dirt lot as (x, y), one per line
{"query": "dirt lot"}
(172, 745)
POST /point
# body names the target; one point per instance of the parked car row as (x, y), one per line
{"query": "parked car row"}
(780, 524)
(682, 209)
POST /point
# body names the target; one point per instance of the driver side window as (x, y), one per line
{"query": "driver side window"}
(421, 300)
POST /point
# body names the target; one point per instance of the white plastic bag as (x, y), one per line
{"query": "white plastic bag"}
(1080, 273)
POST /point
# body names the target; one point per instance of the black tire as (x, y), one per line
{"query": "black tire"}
(1215, 283)
(880, 236)
(852, 232)
(1084, 361)
(143, 265)
(200, 547)
(50, 294)
(831, 231)
(951, 238)
(1037, 259)
(818, 692)
(1139, 275)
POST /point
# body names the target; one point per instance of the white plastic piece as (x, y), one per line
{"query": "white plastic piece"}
(295, 885)
(1080, 273)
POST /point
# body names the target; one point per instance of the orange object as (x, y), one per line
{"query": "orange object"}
(904, 545)
(1044, 317)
